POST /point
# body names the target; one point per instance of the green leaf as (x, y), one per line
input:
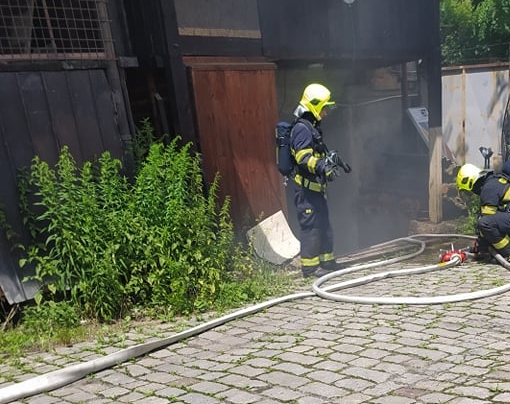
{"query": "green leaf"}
(38, 298)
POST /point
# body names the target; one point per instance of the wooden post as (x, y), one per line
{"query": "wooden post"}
(435, 122)
(177, 78)
(404, 86)
(112, 72)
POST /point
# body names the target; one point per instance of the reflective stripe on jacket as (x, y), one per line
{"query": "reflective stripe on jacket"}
(309, 152)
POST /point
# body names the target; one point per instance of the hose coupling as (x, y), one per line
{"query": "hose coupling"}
(446, 256)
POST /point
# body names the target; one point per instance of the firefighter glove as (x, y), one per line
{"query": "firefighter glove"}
(334, 158)
(331, 170)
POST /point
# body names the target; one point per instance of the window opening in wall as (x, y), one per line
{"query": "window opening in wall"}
(54, 30)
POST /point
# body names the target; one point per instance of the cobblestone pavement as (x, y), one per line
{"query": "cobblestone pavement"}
(312, 351)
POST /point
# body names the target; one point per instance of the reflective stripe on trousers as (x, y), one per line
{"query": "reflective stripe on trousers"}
(316, 235)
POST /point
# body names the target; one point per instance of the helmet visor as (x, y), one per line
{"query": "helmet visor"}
(329, 106)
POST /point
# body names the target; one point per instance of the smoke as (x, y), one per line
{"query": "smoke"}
(389, 183)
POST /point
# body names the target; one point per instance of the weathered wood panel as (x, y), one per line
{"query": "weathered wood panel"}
(84, 109)
(236, 111)
(40, 112)
(62, 112)
(385, 30)
(218, 18)
(35, 107)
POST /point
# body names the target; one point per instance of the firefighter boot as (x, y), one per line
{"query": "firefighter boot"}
(332, 265)
(316, 272)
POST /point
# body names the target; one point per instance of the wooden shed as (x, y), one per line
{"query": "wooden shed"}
(219, 73)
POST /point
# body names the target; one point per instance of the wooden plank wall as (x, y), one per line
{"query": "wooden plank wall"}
(380, 31)
(236, 113)
(40, 112)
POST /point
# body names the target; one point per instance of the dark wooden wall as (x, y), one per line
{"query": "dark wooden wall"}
(40, 112)
(377, 31)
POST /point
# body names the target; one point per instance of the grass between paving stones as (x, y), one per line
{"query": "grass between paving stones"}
(50, 324)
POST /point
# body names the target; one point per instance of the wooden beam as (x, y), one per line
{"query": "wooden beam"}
(214, 46)
(177, 78)
(435, 121)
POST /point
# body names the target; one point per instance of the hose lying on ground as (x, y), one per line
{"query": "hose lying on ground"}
(59, 378)
(326, 292)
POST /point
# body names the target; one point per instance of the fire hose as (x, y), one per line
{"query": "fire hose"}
(59, 378)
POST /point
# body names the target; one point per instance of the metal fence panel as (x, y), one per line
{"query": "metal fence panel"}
(474, 100)
(53, 30)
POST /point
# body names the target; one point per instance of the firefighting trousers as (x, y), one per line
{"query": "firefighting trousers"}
(495, 229)
(316, 235)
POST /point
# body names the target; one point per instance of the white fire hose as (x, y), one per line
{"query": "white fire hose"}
(59, 378)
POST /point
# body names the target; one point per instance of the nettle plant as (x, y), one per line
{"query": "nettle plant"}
(107, 244)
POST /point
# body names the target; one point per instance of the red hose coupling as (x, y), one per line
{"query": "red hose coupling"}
(450, 255)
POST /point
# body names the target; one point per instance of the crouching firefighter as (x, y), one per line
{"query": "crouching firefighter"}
(315, 167)
(493, 224)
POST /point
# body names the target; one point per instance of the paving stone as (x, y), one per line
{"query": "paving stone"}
(236, 396)
(382, 389)
(332, 365)
(354, 384)
(152, 400)
(467, 400)
(324, 376)
(323, 390)
(393, 400)
(283, 394)
(194, 398)
(267, 353)
(208, 387)
(309, 400)
(299, 358)
(436, 398)
(170, 392)
(135, 370)
(42, 400)
(260, 363)
(159, 377)
(469, 370)
(476, 392)
(118, 378)
(150, 362)
(367, 374)
(210, 375)
(114, 392)
(502, 398)
(242, 382)
(247, 370)
(133, 397)
(363, 362)
(150, 388)
(283, 379)
(356, 398)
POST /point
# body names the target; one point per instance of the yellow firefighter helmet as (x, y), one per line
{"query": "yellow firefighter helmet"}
(315, 98)
(467, 176)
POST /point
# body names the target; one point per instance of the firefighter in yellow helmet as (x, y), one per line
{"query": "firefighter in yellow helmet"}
(315, 167)
(493, 224)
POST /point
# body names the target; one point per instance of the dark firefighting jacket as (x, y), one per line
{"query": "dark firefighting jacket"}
(494, 194)
(309, 151)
